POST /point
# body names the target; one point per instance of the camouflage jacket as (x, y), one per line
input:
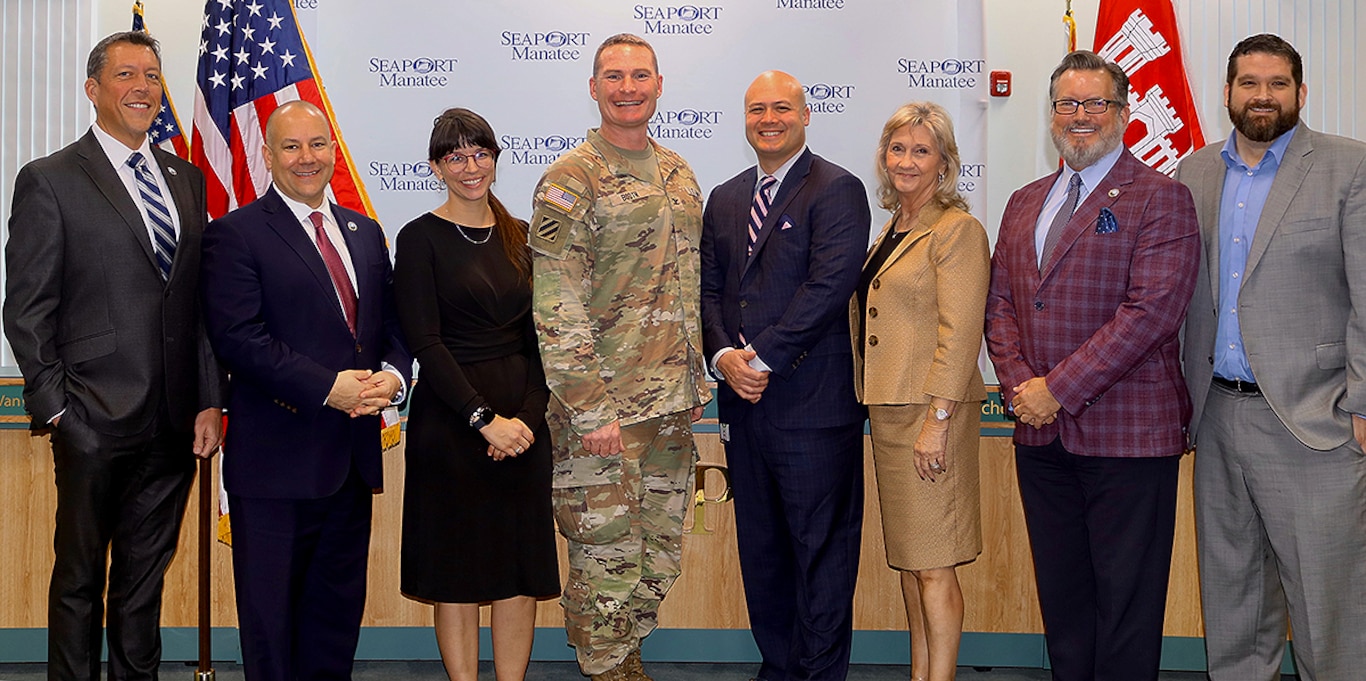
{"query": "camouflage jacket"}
(617, 286)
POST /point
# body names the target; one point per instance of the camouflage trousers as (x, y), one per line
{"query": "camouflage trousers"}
(623, 517)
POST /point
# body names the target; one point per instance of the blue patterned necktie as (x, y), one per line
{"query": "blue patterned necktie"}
(759, 210)
(163, 233)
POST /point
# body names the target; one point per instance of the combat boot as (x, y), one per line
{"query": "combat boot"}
(620, 672)
(634, 668)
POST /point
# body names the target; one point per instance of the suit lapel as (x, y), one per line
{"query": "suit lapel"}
(355, 247)
(924, 223)
(1031, 205)
(1104, 195)
(791, 185)
(96, 164)
(1211, 178)
(1294, 168)
(183, 198)
(281, 219)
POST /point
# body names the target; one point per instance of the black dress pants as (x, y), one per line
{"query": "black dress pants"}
(124, 499)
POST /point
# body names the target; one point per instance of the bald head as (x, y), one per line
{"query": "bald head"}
(771, 81)
(776, 117)
(299, 152)
(288, 110)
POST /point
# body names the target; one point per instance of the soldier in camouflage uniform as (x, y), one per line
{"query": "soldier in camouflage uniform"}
(615, 237)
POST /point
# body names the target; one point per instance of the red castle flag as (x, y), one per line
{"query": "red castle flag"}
(252, 59)
(1141, 36)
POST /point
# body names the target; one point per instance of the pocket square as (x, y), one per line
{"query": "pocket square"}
(1106, 222)
(785, 223)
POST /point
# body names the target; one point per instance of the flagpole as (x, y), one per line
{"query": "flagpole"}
(206, 505)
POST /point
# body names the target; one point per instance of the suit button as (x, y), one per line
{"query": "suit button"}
(872, 313)
(358, 348)
(1038, 304)
(1210, 360)
(744, 303)
(872, 341)
(877, 284)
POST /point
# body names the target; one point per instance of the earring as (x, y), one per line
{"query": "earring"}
(941, 178)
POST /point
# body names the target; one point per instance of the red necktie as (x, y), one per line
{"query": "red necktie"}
(336, 270)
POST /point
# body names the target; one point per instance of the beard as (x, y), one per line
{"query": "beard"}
(1078, 156)
(1263, 128)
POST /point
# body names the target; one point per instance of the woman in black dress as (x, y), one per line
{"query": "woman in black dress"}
(477, 524)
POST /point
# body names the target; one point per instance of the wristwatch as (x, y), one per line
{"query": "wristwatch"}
(941, 414)
(481, 417)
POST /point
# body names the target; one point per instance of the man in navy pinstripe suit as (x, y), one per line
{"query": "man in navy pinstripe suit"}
(782, 246)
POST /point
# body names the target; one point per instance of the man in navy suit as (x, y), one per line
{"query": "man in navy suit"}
(782, 246)
(299, 307)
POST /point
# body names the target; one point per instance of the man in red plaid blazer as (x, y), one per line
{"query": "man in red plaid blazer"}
(1093, 270)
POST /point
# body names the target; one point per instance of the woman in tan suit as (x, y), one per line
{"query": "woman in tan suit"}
(918, 317)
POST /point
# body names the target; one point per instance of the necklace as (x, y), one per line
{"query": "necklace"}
(460, 228)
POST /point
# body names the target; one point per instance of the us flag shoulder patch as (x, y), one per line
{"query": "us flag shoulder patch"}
(548, 228)
(561, 198)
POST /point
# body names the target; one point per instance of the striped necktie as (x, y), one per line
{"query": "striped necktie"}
(163, 233)
(759, 210)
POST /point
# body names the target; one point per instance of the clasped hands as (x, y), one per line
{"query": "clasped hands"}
(747, 382)
(507, 437)
(361, 392)
(1033, 404)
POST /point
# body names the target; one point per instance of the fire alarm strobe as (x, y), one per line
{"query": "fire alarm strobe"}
(1000, 83)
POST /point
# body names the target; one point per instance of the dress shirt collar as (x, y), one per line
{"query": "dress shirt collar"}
(780, 174)
(301, 210)
(1092, 175)
(118, 152)
(1276, 151)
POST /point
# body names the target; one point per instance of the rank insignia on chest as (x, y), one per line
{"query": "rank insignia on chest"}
(548, 228)
(561, 198)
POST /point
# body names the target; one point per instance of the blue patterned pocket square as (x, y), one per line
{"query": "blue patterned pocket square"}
(1106, 222)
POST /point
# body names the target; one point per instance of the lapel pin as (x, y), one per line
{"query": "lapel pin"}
(351, 226)
(1114, 193)
(170, 170)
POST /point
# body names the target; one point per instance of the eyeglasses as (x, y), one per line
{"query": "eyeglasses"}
(482, 158)
(1067, 107)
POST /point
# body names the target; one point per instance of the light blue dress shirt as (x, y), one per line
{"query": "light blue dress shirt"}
(1245, 192)
(1091, 177)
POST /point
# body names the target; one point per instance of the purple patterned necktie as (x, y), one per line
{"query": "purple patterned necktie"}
(759, 210)
(1069, 206)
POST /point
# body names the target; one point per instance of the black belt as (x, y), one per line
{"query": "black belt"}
(1238, 386)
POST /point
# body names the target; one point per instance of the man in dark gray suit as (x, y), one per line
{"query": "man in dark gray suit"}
(1275, 358)
(101, 308)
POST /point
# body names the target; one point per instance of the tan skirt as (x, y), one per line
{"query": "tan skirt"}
(927, 524)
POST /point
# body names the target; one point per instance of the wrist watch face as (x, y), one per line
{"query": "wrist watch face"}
(941, 414)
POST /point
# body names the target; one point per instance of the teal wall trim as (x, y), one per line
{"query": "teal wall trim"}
(23, 645)
(665, 645)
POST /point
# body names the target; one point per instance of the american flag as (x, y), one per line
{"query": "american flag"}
(252, 59)
(165, 131)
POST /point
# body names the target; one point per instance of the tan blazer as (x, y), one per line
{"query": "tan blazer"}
(926, 306)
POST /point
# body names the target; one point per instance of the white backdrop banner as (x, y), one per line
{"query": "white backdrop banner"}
(390, 68)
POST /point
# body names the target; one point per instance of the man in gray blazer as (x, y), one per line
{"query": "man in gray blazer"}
(1275, 359)
(102, 310)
